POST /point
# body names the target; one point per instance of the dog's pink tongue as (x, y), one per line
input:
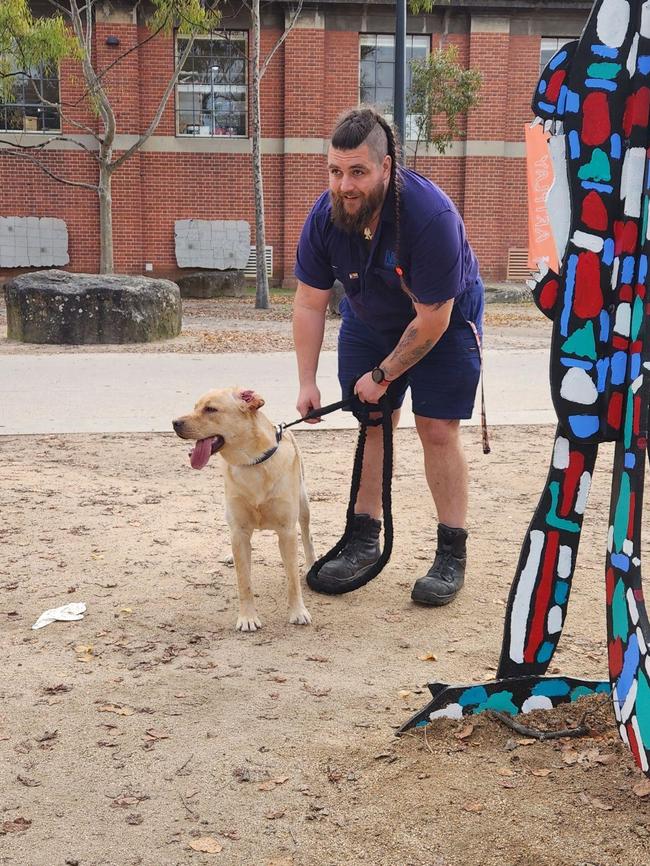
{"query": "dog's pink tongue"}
(201, 453)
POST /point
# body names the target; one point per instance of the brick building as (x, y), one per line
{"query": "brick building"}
(197, 165)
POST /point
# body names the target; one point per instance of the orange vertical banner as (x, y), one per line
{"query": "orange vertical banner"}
(541, 244)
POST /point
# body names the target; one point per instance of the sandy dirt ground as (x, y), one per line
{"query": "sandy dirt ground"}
(151, 733)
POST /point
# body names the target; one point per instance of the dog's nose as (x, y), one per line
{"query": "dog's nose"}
(177, 424)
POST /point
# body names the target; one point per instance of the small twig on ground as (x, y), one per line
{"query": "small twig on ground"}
(189, 810)
(181, 770)
(580, 731)
(426, 742)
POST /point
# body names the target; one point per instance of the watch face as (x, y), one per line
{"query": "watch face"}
(378, 375)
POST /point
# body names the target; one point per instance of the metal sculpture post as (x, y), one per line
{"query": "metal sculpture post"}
(594, 101)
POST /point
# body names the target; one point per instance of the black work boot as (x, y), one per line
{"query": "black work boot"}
(444, 580)
(346, 572)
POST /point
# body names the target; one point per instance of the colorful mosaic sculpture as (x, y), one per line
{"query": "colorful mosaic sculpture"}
(594, 101)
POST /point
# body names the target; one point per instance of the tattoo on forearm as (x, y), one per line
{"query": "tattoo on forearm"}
(409, 350)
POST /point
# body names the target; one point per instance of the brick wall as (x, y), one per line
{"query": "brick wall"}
(312, 78)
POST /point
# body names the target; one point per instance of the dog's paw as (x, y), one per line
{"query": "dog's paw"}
(248, 623)
(301, 616)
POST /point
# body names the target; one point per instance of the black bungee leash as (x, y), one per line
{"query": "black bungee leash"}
(362, 412)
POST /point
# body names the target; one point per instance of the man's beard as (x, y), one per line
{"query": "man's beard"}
(356, 222)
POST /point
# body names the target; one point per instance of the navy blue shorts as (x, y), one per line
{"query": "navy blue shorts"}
(443, 383)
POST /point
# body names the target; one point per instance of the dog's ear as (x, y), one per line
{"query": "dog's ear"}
(251, 401)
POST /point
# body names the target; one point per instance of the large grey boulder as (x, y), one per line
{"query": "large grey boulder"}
(212, 284)
(64, 308)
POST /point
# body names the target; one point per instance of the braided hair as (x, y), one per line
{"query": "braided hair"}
(366, 125)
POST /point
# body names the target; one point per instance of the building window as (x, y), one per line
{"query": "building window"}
(25, 107)
(377, 70)
(211, 89)
(550, 46)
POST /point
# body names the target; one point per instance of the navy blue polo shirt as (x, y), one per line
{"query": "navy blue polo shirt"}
(434, 254)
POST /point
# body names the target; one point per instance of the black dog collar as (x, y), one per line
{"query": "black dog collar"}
(279, 430)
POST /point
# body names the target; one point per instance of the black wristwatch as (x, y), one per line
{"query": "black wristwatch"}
(379, 377)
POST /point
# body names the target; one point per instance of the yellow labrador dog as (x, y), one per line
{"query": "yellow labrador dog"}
(265, 487)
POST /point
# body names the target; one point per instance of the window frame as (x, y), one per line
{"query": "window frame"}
(410, 118)
(35, 105)
(213, 90)
(560, 41)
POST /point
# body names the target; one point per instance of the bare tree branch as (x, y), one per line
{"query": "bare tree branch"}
(100, 75)
(161, 107)
(59, 107)
(43, 144)
(32, 159)
(280, 41)
(95, 86)
(60, 7)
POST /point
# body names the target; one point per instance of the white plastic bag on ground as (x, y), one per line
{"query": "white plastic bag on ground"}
(66, 613)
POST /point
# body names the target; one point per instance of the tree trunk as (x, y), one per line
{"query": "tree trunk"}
(262, 291)
(106, 264)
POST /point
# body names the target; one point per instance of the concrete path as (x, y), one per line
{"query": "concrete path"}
(129, 392)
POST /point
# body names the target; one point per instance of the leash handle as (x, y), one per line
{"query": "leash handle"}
(317, 413)
(361, 410)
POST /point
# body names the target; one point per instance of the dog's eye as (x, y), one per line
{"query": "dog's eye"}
(210, 409)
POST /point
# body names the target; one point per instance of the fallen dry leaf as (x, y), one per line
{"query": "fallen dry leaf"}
(526, 742)
(642, 788)
(47, 736)
(17, 825)
(316, 691)
(428, 657)
(157, 735)
(85, 652)
(56, 690)
(465, 732)
(542, 773)
(113, 708)
(595, 802)
(206, 845)
(27, 782)
(605, 760)
(404, 694)
(477, 808)
(266, 786)
(274, 815)
(124, 800)
(322, 659)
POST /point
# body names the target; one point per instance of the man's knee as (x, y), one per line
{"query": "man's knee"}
(437, 432)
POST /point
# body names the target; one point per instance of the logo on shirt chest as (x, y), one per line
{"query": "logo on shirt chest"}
(390, 259)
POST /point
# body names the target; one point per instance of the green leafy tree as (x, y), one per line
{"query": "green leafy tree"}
(441, 92)
(29, 43)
